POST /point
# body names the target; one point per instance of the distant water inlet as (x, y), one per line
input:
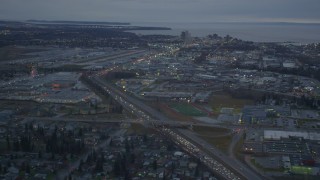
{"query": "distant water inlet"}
(257, 32)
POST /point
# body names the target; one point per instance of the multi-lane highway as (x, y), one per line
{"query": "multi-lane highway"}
(223, 166)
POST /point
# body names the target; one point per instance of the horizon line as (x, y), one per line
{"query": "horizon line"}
(184, 22)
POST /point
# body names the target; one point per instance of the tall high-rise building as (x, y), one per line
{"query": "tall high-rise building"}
(185, 37)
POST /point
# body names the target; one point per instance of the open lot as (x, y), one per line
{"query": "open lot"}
(221, 143)
(171, 113)
(16, 52)
(222, 99)
(218, 137)
(139, 129)
(210, 131)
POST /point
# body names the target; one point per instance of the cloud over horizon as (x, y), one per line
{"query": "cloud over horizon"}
(163, 10)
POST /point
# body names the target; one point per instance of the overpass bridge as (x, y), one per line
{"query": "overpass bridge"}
(156, 123)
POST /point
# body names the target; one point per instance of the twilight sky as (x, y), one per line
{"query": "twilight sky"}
(163, 10)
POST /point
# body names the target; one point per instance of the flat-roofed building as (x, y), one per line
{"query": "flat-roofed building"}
(277, 135)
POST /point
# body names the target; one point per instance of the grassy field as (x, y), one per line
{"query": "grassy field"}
(238, 149)
(222, 139)
(221, 143)
(171, 113)
(187, 109)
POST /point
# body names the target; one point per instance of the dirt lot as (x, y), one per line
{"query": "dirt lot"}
(222, 99)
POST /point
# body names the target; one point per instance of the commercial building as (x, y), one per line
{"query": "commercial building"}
(277, 135)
